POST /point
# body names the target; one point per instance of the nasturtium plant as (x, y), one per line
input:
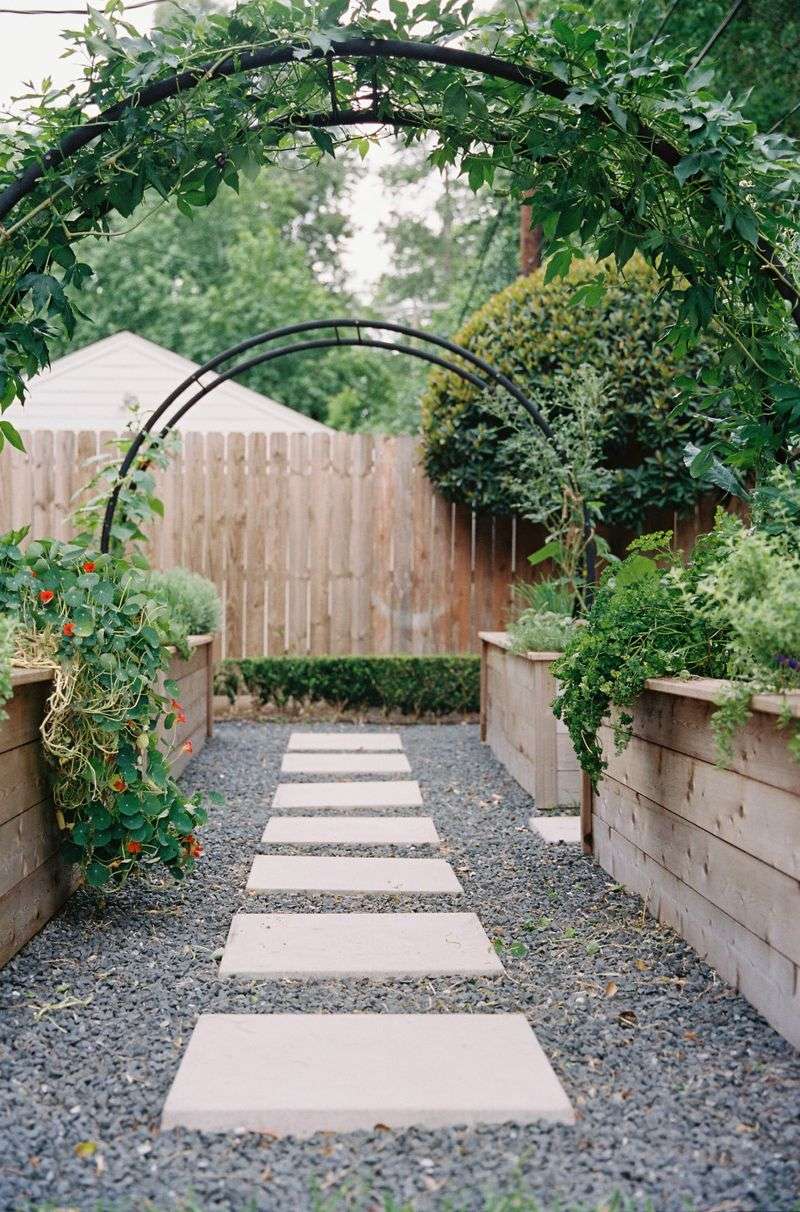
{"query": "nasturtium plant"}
(90, 618)
(617, 146)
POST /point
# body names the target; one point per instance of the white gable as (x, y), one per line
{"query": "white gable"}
(88, 389)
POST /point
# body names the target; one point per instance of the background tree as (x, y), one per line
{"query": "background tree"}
(268, 256)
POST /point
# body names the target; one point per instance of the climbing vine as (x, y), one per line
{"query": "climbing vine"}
(624, 149)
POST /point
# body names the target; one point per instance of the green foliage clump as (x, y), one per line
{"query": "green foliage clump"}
(540, 631)
(190, 600)
(413, 685)
(91, 619)
(729, 611)
(537, 331)
(6, 653)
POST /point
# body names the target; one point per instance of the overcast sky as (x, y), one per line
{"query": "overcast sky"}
(31, 49)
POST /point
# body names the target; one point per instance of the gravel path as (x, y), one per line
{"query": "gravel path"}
(684, 1094)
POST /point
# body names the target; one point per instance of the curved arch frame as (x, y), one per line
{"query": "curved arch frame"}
(483, 376)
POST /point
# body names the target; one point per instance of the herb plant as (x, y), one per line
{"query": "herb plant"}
(644, 623)
(190, 601)
(730, 611)
(540, 631)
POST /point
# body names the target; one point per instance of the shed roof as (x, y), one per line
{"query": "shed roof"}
(90, 389)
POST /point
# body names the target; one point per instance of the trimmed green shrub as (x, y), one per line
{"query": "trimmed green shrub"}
(536, 332)
(414, 685)
(192, 602)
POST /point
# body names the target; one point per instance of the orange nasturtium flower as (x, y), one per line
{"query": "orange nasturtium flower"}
(118, 783)
(89, 566)
(45, 596)
(187, 746)
(133, 847)
(68, 628)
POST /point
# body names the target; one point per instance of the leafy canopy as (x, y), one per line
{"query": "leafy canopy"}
(623, 147)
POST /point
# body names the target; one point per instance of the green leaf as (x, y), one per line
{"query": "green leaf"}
(11, 435)
(704, 465)
(455, 102)
(97, 874)
(688, 167)
(323, 141)
(84, 621)
(747, 227)
(550, 551)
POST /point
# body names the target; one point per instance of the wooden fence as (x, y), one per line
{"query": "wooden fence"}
(317, 543)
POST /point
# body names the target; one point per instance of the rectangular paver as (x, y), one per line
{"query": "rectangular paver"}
(351, 831)
(402, 794)
(296, 1074)
(345, 763)
(314, 873)
(344, 742)
(327, 946)
(557, 828)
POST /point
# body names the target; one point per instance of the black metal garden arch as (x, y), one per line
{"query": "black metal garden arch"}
(483, 376)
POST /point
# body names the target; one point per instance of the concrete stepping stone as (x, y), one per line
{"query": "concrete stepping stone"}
(351, 831)
(344, 742)
(402, 794)
(297, 1074)
(312, 873)
(345, 763)
(327, 946)
(557, 828)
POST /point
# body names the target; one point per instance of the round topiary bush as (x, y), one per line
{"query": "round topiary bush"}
(535, 331)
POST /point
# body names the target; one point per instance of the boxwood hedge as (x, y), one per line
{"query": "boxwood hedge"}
(414, 685)
(533, 330)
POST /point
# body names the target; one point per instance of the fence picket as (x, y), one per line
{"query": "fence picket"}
(236, 519)
(319, 542)
(297, 552)
(255, 633)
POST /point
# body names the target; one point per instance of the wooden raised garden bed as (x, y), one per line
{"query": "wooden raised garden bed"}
(518, 723)
(714, 853)
(34, 880)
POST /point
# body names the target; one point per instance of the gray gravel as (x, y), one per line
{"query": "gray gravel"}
(684, 1094)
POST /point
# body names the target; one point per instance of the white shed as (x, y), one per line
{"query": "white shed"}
(89, 389)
